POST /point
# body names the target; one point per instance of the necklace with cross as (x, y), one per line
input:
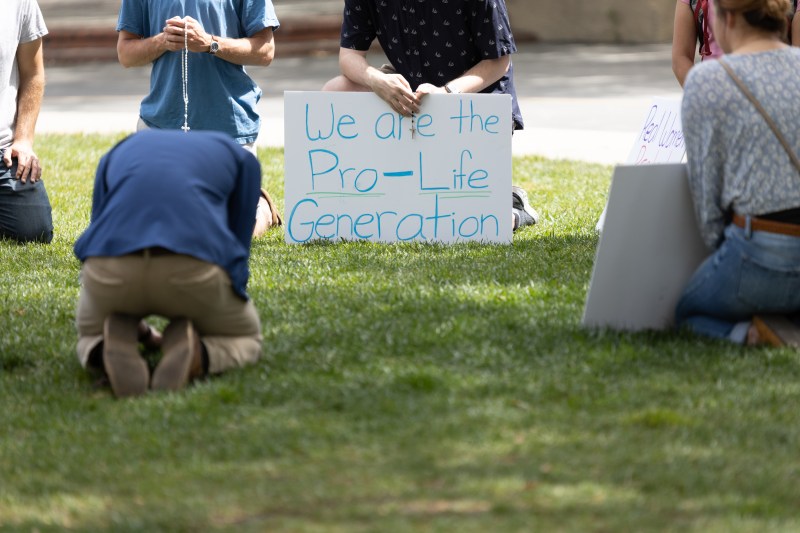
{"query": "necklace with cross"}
(185, 78)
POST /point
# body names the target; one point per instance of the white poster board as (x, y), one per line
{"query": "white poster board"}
(660, 139)
(649, 249)
(355, 170)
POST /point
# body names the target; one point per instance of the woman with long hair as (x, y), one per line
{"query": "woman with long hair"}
(743, 145)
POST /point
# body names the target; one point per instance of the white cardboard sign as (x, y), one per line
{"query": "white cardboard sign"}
(355, 170)
(648, 250)
(660, 139)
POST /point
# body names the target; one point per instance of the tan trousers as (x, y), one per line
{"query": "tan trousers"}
(172, 286)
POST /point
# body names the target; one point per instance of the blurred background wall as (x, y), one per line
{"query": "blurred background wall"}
(593, 21)
(83, 30)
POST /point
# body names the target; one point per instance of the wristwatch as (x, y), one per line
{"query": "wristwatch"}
(214, 48)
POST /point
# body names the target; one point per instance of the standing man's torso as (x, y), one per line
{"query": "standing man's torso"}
(222, 96)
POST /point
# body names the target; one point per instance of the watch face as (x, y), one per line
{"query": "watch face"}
(214, 47)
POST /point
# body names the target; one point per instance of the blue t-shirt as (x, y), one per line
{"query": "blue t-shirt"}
(222, 96)
(434, 41)
(192, 193)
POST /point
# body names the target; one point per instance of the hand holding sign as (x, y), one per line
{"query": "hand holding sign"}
(356, 171)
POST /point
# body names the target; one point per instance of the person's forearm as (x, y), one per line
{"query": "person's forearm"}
(481, 75)
(354, 66)
(133, 51)
(796, 29)
(681, 67)
(392, 88)
(256, 50)
(29, 102)
(684, 41)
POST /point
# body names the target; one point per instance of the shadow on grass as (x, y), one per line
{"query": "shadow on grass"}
(442, 387)
(396, 446)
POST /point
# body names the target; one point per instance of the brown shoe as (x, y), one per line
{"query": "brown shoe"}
(263, 218)
(267, 215)
(183, 357)
(274, 215)
(126, 369)
(777, 330)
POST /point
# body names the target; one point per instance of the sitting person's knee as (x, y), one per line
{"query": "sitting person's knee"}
(29, 232)
(335, 84)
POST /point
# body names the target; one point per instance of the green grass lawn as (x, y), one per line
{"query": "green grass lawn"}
(403, 387)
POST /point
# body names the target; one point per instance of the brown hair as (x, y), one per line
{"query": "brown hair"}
(768, 15)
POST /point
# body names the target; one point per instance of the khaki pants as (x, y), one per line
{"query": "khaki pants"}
(172, 286)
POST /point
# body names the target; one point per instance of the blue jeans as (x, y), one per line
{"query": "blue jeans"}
(25, 213)
(747, 275)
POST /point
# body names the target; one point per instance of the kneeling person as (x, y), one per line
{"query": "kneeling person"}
(25, 212)
(170, 232)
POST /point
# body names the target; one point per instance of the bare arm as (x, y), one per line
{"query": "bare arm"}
(30, 61)
(684, 41)
(394, 89)
(135, 51)
(474, 80)
(796, 30)
(258, 49)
